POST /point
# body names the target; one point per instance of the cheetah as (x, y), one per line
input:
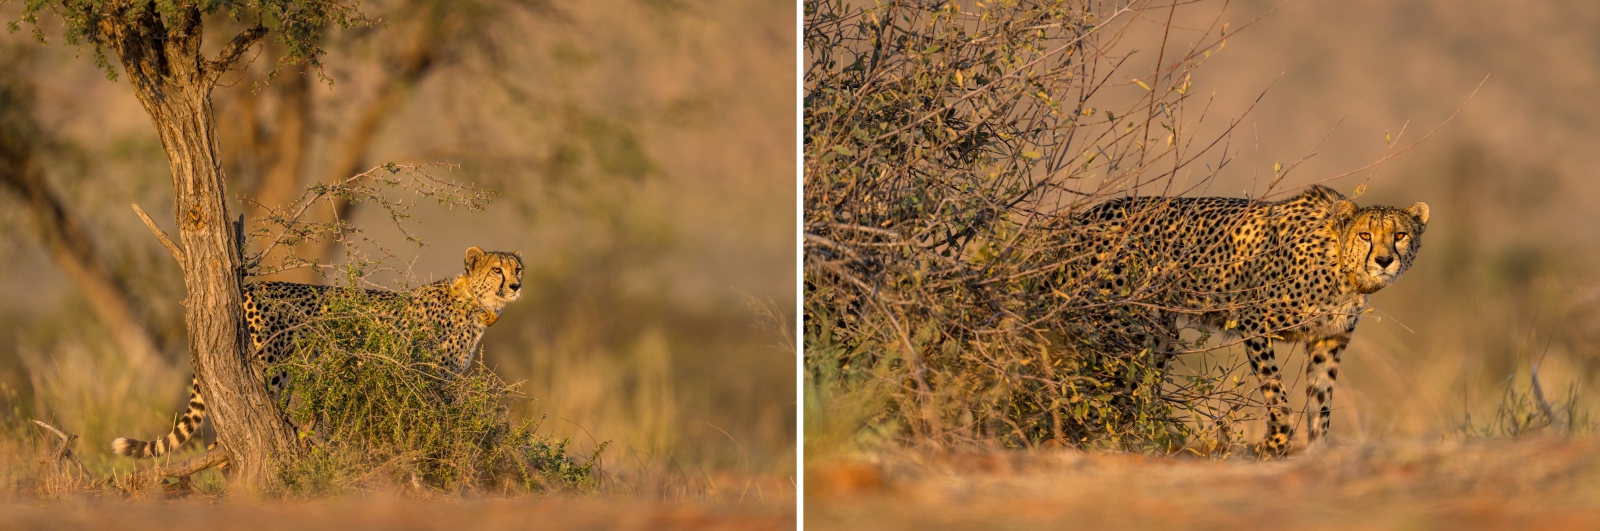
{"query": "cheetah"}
(460, 309)
(1295, 270)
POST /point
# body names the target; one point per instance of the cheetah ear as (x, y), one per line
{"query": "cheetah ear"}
(1344, 210)
(1419, 210)
(474, 254)
(518, 252)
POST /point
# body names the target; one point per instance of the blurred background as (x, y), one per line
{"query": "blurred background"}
(1506, 279)
(644, 150)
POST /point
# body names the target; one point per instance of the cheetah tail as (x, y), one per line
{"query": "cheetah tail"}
(190, 422)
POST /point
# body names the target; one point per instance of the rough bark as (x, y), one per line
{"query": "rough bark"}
(161, 58)
(65, 237)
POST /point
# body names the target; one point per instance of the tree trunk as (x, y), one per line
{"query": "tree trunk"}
(161, 56)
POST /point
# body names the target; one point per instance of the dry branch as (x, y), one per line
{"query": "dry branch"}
(166, 241)
(63, 452)
(1544, 405)
(182, 468)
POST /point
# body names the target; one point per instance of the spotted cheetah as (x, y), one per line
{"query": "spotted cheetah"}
(1296, 270)
(460, 309)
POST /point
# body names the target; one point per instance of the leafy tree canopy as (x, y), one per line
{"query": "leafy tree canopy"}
(297, 24)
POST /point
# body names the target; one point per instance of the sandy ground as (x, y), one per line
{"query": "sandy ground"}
(394, 514)
(1546, 484)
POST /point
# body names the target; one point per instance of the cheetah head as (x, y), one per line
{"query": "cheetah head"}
(1378, 243)
(493, 279)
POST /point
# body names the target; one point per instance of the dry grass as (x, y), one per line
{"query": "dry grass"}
(1535, 483)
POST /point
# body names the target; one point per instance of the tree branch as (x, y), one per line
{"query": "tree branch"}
(235, 48)
(177, 254)
(63, 452)
(144, 478)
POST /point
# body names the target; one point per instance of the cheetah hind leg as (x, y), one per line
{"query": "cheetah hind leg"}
(1265, 367)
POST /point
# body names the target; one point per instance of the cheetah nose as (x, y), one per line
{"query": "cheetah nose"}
(517, 286)
(1384, 261)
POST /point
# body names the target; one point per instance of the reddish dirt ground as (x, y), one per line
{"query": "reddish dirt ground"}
(395, 514)
(1546, 484)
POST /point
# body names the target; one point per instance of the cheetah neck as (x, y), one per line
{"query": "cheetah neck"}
(461, 290)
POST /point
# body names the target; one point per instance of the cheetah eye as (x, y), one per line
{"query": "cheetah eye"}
(1399, 236)
(496, 271)
(1367, 236)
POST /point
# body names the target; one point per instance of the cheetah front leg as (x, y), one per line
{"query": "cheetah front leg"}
(1265, 367)
(1322, 368)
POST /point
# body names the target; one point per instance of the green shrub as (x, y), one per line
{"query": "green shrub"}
(378, 409)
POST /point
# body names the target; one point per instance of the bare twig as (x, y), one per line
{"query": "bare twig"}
(63, 452)
(177, 253)
(1544, 406)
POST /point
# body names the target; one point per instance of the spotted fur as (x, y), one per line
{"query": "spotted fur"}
(1296, 270)
(459, 310)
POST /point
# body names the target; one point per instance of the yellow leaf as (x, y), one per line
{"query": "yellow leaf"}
(1361, 189)
(1277, 167)
(1141, 84)
(1031, 154)
(1386, 138)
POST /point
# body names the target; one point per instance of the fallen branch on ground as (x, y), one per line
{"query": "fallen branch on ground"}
(183, 468)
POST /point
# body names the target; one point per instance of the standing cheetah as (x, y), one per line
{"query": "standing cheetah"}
(456, 310)
(1297, 270)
